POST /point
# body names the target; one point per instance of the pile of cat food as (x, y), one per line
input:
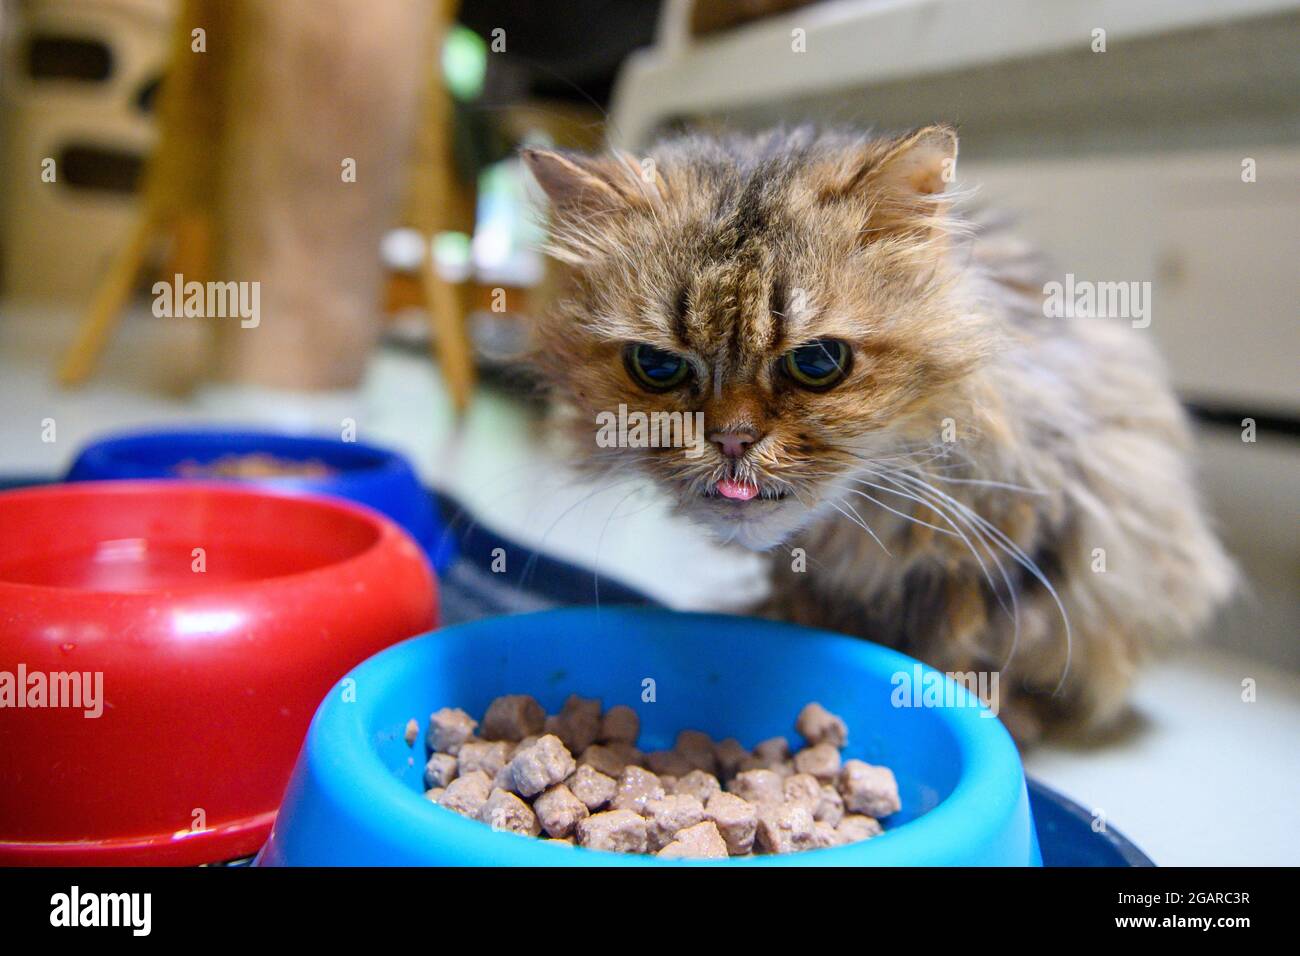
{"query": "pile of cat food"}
(517, 771)
(254, 465)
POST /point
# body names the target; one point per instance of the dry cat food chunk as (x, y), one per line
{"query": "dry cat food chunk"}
(504, 779)
(513, 717)
(488, 756)
(542, 765)
(619, 831)
(701, 842)
(817, 725)
(449, 728)
(603, 758)
(785, 828)
(758, 786)
(854, 828)
(505, 811)
(667, 815)
(620, 725)
(699, 784)
(731, 754)
(592, 787)
(830, 806)
(825, 835)
(577, 724)
(636, 787)
(466, 795)
(869, 789)
(736, 820)
(700, 799)
(440, 770)
(668, 763)
(802, 788)
(820, 760)
(773, 752)
(559, 811)
(697, 750)
(627, 753)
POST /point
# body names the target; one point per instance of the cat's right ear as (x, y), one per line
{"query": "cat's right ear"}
(584, 184)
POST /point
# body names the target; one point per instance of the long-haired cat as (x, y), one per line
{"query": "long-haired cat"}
(932, 462)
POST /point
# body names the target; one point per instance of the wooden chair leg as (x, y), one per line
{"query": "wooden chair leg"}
(106, 307)
(191, 248)
(451, 345)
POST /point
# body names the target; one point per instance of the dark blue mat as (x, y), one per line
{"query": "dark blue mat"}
(531, 580)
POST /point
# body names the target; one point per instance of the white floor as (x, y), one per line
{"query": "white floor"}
(1202, 777)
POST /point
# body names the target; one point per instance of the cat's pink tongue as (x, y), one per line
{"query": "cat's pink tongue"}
(730, 488)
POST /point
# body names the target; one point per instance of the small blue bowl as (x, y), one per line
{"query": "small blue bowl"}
(355, 797)
(367, 474)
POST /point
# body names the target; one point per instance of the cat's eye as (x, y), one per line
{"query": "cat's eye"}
(655, 369)
(818, 365)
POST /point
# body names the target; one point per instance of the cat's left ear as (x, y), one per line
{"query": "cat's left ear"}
(918, 164)
(924, 161)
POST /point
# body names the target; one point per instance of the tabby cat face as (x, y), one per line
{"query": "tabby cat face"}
(796, 290)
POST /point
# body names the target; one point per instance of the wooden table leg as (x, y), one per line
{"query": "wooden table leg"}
(447, 321)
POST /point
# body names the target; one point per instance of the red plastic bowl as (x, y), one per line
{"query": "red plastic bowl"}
(209, 678)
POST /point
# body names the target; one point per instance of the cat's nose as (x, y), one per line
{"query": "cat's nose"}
(735, 443)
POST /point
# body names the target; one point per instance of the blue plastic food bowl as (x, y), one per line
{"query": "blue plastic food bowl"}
(355, 797)
(363, 473)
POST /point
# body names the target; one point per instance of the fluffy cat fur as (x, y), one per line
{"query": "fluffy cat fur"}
(959, 492)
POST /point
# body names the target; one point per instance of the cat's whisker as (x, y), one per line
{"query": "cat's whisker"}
(943, 452)
(956, 522)
(953, 519)
(984, 483)
(857, 520)
(1026, 562)
(906, 459)
(531, 564)
(902, 514)
(908, 456)
(531, 487)
(858, 479)
(1014, 611)
(600, 540)
(965, 463)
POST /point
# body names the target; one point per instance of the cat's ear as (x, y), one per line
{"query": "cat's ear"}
(924, 161)
(592, 184)
(916, 165)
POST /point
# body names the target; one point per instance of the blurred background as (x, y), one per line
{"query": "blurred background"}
(359, 166)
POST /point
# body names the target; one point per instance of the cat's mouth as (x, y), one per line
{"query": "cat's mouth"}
(732, 489)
